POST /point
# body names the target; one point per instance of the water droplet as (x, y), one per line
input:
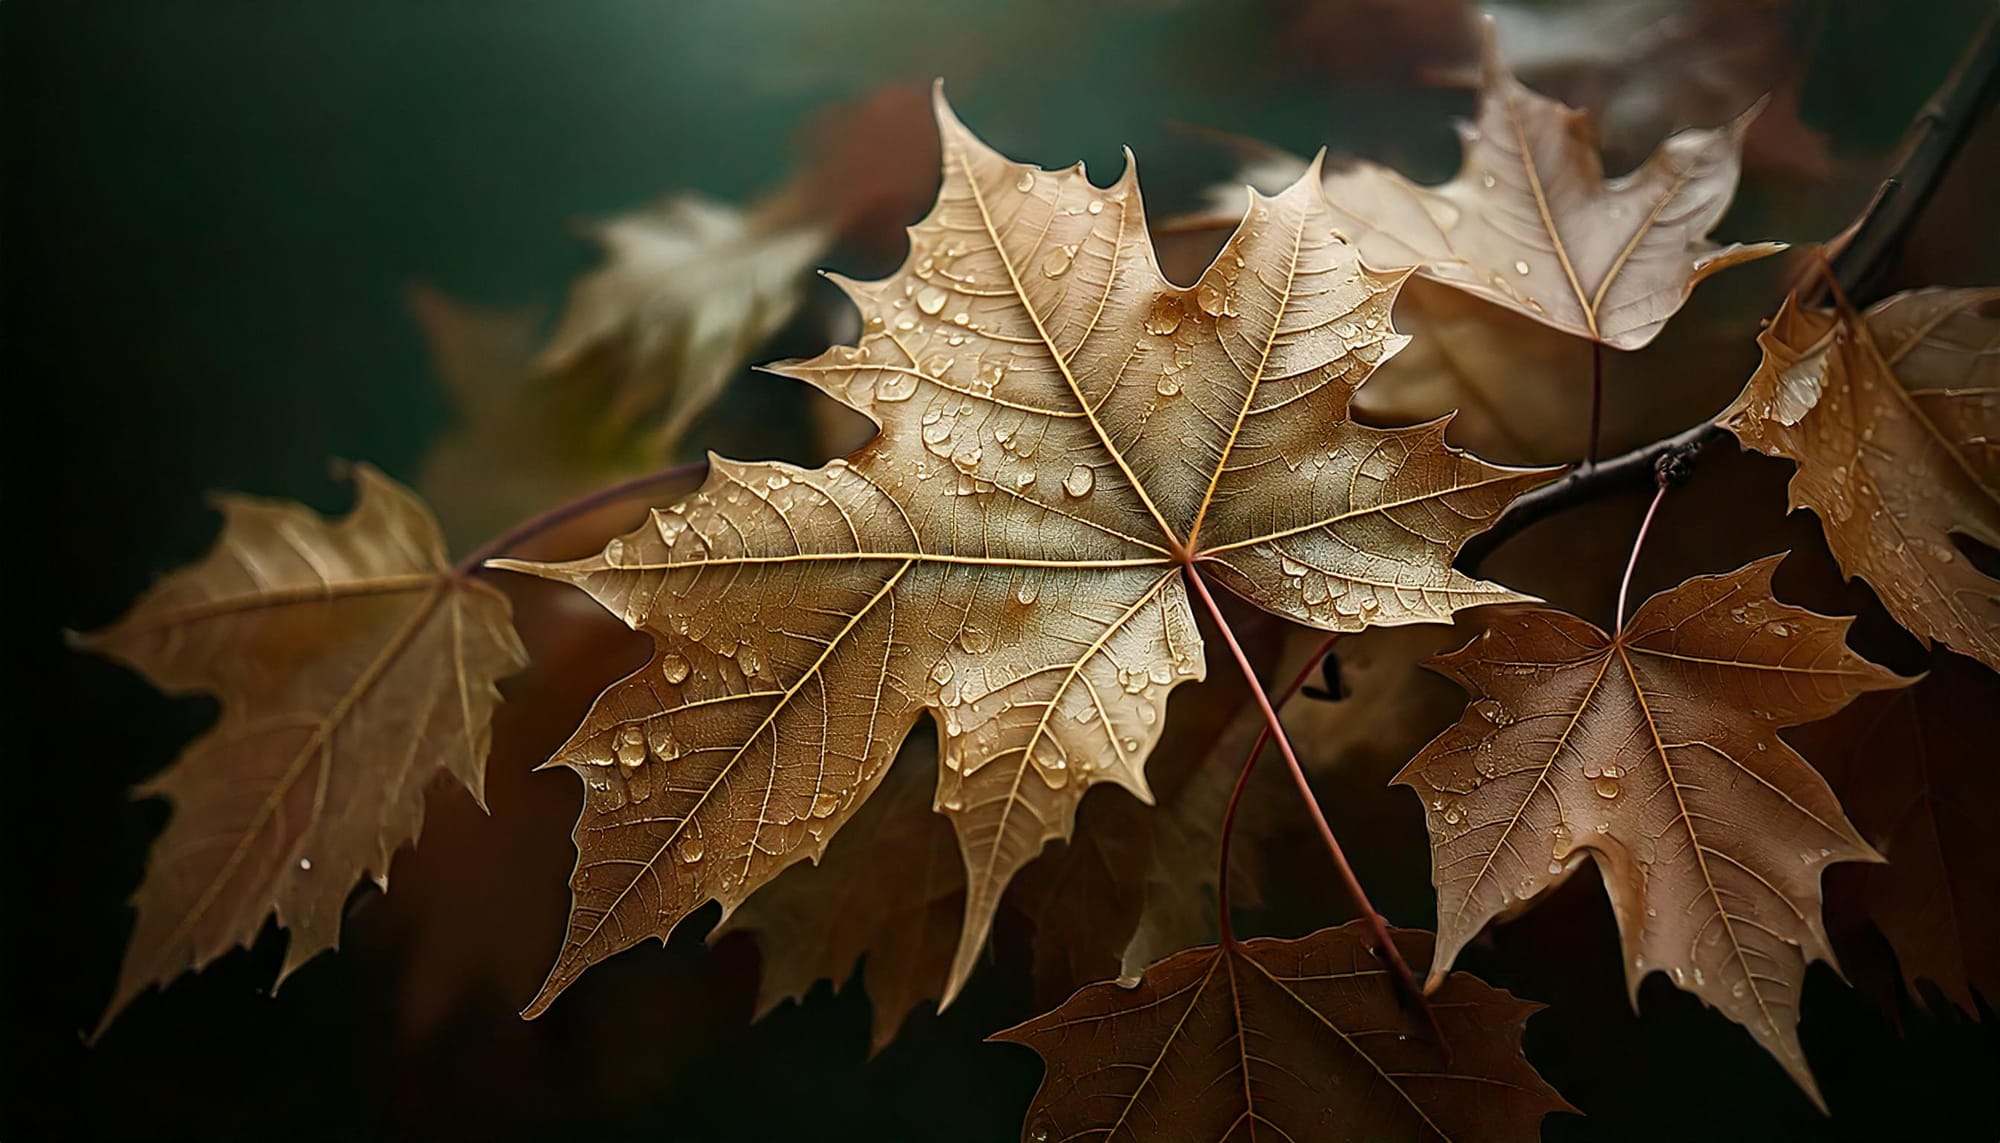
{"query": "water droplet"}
(1026, 182)
(1079, 481)
(614, 552)
(305, 864)
(1213, 301)
(895, 387)
(1165, 317)
(1555, 867)
(824, 804)
(1290, 566)
(748, 659)
(1605, 787)
(1488, 709)
(1488, 181)
(1520, 267)
(941, 672)
(1057, 262)
(1169, 385)
(689, 847)
(975, 640)
(1096, 206)
(1027, 591)
(1452, 815)
(930, 299)
(674, 667)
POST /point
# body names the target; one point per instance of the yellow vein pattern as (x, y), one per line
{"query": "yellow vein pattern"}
(1283, 1040)
(1063, 432)
(352, 665)
(1656, 755)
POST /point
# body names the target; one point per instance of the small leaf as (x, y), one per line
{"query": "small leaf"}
(1893, 430)
(689, 289)
(1531, 224)
(352, 665)
(1298, 1039)
(1654, 753)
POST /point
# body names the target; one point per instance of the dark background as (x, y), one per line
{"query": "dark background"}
(212, 211)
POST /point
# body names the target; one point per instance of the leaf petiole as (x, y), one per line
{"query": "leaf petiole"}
(1378, 928)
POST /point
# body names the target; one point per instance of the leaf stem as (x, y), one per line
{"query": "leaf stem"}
(1596, 402)
(1306, 669)
(1385, 946)
(1639, 541)
(563, 513)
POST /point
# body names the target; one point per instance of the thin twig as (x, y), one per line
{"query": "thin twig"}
(563, 513)
(1385, 946)
(1933, 140)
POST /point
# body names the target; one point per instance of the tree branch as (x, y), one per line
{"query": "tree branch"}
(1933, 139)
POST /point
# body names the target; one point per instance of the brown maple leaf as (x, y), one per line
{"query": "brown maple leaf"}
(1530, 223)
(1654, 752)
(1894, 429)
(1303, 1039)
(1064, 434)
(688, 291)
(1915, 768)
(353, 665)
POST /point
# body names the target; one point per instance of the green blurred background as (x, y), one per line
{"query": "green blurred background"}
(213, 209)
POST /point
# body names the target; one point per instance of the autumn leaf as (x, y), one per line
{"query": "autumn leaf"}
(1893, 429)
(524, 443)
(353, 665)
(1653, 752)
(1303, 1039)
(1915, 769)
(1530, 223)
(1064, 433)
(688, 291)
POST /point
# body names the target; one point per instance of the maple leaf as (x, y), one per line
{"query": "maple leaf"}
(1915, 768)
(353, 665)
(1892, 427)
(1529, 222)
(1653, 752)
(689, 290)
(524, 443)
(1306, 1038)
(1064, 433)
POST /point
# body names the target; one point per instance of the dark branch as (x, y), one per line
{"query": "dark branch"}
(1932, 141)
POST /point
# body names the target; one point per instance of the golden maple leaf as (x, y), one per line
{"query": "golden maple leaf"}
(1065, 434)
